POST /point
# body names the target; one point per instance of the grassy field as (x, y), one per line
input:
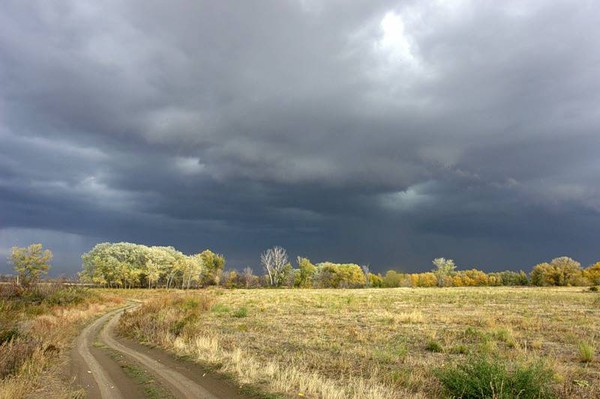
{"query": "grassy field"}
(37, 328)
(387, 343)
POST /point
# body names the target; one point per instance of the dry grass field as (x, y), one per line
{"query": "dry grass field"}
(37, 329)
(386, 343)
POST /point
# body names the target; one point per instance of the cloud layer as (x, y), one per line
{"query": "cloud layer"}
(379, 132)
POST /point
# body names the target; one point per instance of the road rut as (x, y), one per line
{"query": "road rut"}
(104, 379)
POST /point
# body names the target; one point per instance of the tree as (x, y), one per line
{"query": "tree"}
(336, 275)
(30, 263)
(275, 261)
(375, 280)
(543, 274)
(230, 279)
(366, 270)
(249, 278)
(213, 266)
(560, 271)
(592, 273)
(569, 270)
(443, 268)
(393, 279)
(190, 268)
(305, 274)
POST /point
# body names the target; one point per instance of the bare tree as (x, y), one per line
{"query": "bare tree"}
(367, 270)
(248, 276)
(275, 262)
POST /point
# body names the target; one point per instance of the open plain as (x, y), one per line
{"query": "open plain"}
(385, 343)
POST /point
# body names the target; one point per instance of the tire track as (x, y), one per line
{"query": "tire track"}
(104, 379)
(179, 385)
(100, 384)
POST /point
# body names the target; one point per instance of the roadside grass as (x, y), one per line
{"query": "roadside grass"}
(380, 343)
(37, 328)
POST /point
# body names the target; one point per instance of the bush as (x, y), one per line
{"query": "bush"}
(66, 296)
(481, 377)
(52, 294)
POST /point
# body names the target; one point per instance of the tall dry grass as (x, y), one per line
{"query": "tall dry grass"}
(37, 328)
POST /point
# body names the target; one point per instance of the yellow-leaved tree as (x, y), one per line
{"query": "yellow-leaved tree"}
(30, 263)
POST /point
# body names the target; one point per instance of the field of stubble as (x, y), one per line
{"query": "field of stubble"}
(386, 343)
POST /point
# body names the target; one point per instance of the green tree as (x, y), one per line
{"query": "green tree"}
(444, 268)
(393, 279)
(212, 266)
(340, 275)
(305, 273)
(592, 273)
(375, 280)
(30, 263)
(560, 271)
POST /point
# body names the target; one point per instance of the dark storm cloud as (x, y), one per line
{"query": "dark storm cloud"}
(378, 132)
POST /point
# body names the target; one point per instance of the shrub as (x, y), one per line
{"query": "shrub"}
(484, 378)
(66, 296)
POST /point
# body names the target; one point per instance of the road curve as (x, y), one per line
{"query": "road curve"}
(178, 384)
(99, 383)
(103, 378)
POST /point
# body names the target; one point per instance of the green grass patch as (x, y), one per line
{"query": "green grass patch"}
(480, 378)
(241, 312)
(152, 389)
(586, 352)
(434, 346)
(219, 308)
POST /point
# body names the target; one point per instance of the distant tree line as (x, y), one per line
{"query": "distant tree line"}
(126, 265)
(280, 272)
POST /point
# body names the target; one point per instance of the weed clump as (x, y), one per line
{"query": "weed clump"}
(586, 352)
(14, 354)
(241, 312)
(481, 377)
(434, 346)
(8, 334)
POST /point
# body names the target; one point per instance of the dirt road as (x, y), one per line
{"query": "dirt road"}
(96, 369)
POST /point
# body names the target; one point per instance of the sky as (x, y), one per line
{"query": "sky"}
(386, 133)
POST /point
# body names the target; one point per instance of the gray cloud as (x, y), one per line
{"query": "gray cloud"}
(381, 132)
